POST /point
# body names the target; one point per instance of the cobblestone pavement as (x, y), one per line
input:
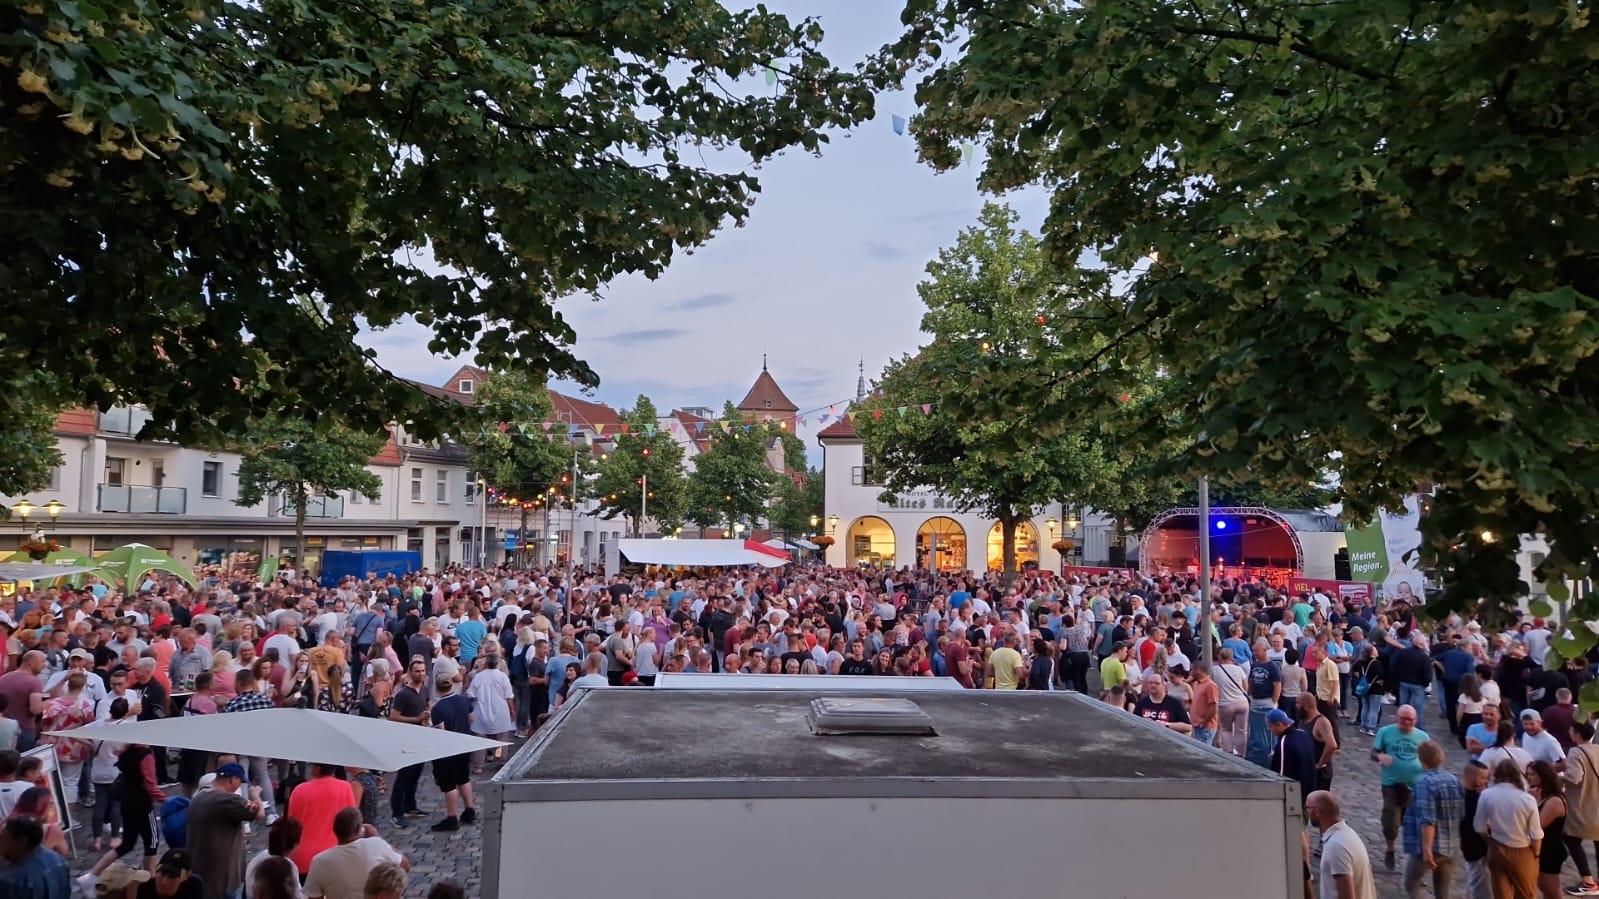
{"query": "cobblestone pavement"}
(455, 856)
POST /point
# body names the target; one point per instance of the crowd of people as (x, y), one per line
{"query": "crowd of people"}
(497, 652)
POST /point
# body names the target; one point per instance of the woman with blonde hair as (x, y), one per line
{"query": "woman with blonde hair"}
(222, 676)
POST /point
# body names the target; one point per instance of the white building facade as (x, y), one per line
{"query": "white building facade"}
(925, 530)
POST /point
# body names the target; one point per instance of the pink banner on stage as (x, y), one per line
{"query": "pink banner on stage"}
(1355, 590)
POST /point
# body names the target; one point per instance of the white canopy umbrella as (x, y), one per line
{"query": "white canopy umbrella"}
(39, 571)
(301, 735)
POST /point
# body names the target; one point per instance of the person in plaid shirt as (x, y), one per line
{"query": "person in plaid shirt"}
(250, 699)
(1432, 824)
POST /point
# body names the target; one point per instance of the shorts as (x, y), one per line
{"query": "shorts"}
(137, 827)
(451, 773)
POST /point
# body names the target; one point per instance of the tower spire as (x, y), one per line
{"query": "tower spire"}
(860, 384)
(763, 360)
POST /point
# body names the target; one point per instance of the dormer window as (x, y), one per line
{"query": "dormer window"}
(465, 386)
(768, 403)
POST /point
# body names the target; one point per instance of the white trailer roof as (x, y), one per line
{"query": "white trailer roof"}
(824, 683)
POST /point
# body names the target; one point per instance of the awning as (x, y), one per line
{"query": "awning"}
(806, 544)
(701, 553)
(38, 571)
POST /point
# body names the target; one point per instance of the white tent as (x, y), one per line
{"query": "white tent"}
(702, 553)
(301, 735)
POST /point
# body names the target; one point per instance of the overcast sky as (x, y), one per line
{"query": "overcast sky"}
(823, 275)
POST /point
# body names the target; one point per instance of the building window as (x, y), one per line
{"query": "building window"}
(115, 469)
(442, 492)
(471, 490)
(416, 485)
(865, 475)
(158, 473)
(768, 403)
(465, 386)
(356, 498)
(55, 479)
(211, 479)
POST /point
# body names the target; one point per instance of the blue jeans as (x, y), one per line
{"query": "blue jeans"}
(1205, 735)
(1370, 710)
(1258, 749)
(1415, 696)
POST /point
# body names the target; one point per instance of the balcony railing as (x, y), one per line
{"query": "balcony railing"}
(315, 507)
(129, 498)
(124, 420)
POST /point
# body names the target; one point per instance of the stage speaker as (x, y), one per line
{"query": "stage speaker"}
(1341, 565)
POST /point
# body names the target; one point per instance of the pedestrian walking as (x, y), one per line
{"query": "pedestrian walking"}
(1508, 817)
(1395, 749)
(1432, 826)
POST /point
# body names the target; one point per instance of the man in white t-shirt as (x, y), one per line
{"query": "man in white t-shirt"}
(1539, 743)
(340, 871)
(1345, 871)
(285, 640)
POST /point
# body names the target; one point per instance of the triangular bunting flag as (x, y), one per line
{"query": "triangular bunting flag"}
(853, 415)
(599, 429)
(876, 414)
(746, 429)
(649, 430)
(771, 75)
(822, 419)
(800, 419)
(927, 408)
(699, 427)
(504, 427)
(548, 424)
(901, 411)
(624, 427)
(727, 427)
(898, 123)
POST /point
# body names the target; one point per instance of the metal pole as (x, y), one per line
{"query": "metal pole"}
(571, 546)
(643, 501)
(1204, 569)
(483, 526)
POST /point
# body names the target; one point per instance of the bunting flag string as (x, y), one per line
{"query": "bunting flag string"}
(554, 430)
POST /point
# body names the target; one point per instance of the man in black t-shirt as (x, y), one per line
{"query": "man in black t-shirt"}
(1162, 708)
(855, 662)
(409, 707)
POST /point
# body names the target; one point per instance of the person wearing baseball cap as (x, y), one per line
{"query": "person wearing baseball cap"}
(216, 832)
(1293, 752)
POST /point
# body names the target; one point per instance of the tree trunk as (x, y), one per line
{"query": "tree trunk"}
(521, 541)
(299, 533)
(1007, 534)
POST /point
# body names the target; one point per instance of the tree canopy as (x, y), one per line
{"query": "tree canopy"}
(27, 419)
(984, 444)
(1355, 235)
(516, 459)
(177, 177)
(645, 452)
(297, 459)
(731, 481)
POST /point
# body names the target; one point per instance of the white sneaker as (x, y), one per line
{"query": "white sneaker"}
(86, 882)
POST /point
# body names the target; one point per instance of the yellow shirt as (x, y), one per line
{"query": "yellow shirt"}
(1327, 680)
(1112, 672)
(1005, 661)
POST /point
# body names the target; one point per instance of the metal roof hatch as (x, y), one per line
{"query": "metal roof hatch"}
(880, 716)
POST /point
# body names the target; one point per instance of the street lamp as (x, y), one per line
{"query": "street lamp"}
(23, 508)
(738, 529)
(1053, 526)
(1072, 521)
(816, 522)
(832, 523)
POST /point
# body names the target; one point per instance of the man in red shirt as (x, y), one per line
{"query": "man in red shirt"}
(315, 804)
(958, 660)
(25, 700)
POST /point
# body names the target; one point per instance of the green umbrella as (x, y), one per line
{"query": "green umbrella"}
(129, 563)
(62, 556)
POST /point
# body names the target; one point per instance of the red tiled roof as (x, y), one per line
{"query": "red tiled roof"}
(701, 438)
(843, 429)
(78, 423)
(389, 455)
(465, 373)
(585, 414)
(766, 396)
